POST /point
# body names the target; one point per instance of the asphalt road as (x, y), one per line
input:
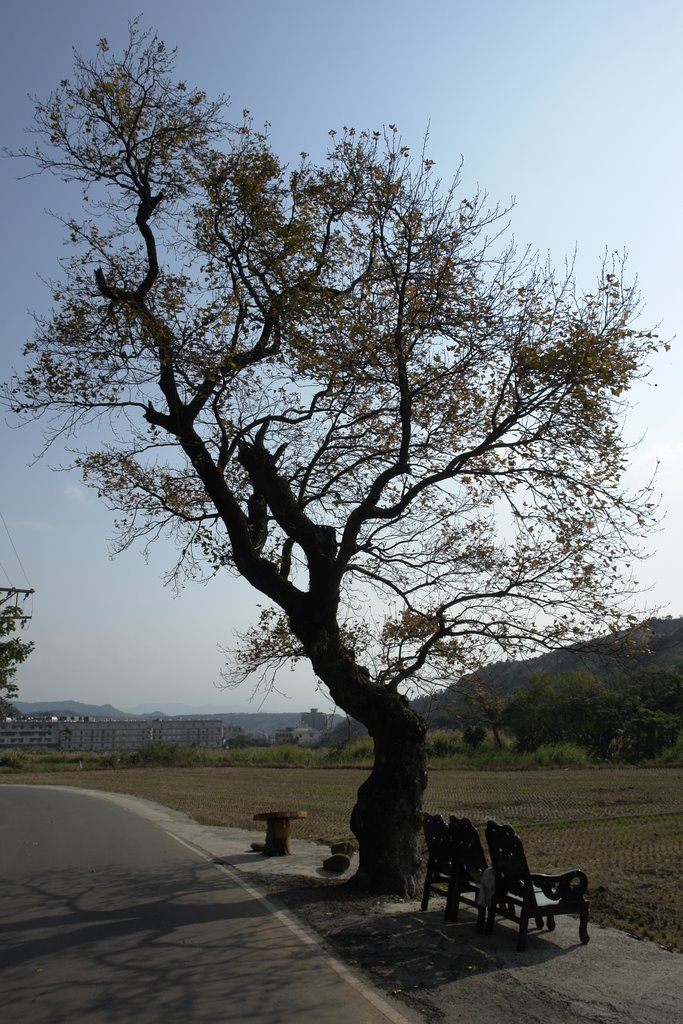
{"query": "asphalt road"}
(107, 918)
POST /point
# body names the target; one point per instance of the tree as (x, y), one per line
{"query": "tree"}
(13, 652)
(488, 702)
(341, 383)
(531, 713)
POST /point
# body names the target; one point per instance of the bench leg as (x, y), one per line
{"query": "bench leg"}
(583, 927)
(523, 927)
(425, 891)
(452, 898)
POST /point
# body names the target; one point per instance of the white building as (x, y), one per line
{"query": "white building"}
(86, 735)
(28, 732)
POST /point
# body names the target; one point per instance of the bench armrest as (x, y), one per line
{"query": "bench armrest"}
(568, 885)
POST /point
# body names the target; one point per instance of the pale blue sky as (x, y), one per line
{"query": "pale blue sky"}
(575, 110)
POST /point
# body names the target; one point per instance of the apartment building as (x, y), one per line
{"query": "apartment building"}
(87, 735)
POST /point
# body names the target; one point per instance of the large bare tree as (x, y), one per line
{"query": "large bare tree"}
(341, 383)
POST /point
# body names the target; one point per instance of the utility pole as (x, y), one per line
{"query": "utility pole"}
(12, 594)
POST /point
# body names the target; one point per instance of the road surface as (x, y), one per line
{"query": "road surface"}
(107, 918)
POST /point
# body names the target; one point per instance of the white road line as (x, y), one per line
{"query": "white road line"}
(302, 933)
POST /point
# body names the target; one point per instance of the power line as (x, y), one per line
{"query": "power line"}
(21, 564)
(5, 573)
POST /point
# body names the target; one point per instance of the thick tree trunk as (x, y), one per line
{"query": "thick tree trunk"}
(387, 817)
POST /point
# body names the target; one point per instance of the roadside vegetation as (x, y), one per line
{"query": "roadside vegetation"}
(473, 748)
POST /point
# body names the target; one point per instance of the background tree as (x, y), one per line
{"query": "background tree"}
(13, 651)
(340, 383)
(623, 717)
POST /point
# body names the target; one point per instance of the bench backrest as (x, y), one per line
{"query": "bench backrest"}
(509, 860)
(466, 847)
(438, 842)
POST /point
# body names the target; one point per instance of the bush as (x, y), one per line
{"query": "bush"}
(474, 735)
(163, 754)
(353, 752)
(648, 734)
(289, 755)
(14, 760)
(672, 756)
(444, 743)
(561, 755)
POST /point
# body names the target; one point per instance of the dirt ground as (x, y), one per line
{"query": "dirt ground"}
(445, 972)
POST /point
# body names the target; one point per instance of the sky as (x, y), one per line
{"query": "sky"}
(571, 110)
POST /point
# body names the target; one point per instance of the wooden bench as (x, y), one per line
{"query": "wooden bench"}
(438, 840)
(278, 831)
(455, 863)
(521, 894)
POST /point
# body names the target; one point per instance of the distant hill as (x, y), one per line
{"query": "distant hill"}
(658, 643)
(69, 707)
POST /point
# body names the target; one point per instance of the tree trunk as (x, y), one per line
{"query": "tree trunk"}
(387, 817)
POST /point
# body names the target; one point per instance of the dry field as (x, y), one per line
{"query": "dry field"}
(623, 826)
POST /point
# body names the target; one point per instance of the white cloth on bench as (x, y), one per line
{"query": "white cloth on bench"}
(487, 888)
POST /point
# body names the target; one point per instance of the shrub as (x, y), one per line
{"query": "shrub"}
(563, 755)
(164, 754)
(353, 752)
(474, 735)
(672, 756)
(444, 743)
(15, 760)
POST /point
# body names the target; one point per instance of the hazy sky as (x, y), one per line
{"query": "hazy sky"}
(574, 110)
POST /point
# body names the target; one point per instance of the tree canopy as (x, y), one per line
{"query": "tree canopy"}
(340, 381)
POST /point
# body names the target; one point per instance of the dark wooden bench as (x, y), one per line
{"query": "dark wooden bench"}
(455, 862)
(438, 840)
(521, 894)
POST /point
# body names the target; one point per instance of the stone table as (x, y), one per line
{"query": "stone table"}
(278, 831)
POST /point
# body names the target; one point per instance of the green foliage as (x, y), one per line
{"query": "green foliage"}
(161, 753)
(245, 740)
(15, 760)
(560, 755)
(531, 713)
(474, 735)
(629, 718)
(672, 756)
(648, 733)
(13, 651)
(444, 743)
(354, 752)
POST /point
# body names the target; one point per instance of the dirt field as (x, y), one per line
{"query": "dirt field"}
(624, 827)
